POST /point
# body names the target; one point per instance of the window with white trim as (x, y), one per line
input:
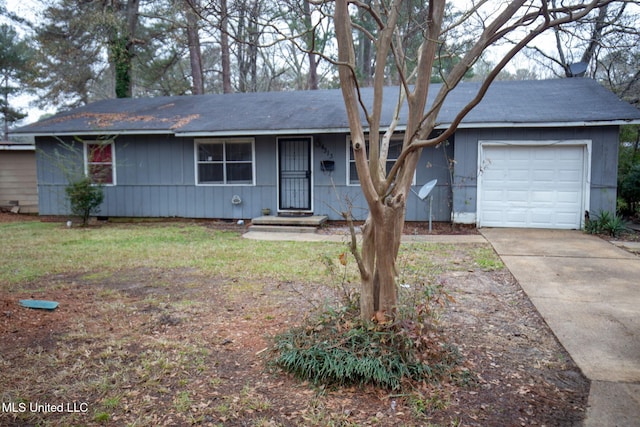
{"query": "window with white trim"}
(395, 148)
(225, 162)
(99, 162)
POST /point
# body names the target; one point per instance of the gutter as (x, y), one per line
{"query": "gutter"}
(253, 132)
(17, 147)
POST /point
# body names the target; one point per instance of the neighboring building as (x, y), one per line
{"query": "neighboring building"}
(531, 154)
(18, 184)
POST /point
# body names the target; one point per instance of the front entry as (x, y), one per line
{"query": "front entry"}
(294, 174)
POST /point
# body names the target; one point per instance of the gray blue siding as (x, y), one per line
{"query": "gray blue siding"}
(332, 194)
(155, 176)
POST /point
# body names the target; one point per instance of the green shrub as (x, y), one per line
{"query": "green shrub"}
(629, 189)
(84, 198)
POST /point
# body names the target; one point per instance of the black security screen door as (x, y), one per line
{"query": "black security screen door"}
(294, 159)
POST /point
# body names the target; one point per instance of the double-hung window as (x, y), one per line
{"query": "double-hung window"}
(395, 148)
(99, 162)
(225, 162)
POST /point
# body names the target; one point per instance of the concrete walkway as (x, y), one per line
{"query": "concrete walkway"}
(588, 291)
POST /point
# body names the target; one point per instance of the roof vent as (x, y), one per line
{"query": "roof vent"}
(578, 69)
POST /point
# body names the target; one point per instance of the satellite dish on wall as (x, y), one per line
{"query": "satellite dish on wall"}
(427, 188)
(424, 193)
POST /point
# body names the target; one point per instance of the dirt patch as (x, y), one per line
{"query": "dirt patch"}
(7, 216)
(158, 346)
(519, 362)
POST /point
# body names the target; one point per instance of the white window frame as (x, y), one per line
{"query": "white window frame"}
(86, 161)
(224, 162)
(397, 137)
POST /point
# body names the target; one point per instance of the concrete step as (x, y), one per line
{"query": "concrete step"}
(304, 221)
(283, 228)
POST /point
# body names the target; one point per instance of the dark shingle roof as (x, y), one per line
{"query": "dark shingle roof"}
(507, 103)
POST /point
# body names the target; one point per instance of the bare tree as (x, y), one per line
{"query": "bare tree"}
(239, 26)
(386, 192)
(311, 46)
(195, 52)
(580, 46)
(224, 48)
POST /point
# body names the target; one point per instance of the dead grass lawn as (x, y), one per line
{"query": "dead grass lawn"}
(154, 344)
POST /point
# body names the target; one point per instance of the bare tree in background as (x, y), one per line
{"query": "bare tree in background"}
(604, 45)
(195, 52)
(224, 48)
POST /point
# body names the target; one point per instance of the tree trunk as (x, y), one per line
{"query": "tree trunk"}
(224, 48)
(133, 7)
(368, 294)
(5, 109)
(241, 54)
(381, 238)
(596, 35)
(248, 37)
(254, 39)
(364, 49)
(122, 51)
(386, 246)
(121, 61)
(195, 53)
(312, 81)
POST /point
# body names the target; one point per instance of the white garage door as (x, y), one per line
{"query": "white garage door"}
(531, 186)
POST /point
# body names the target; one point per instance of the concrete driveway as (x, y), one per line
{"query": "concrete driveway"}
(588, 291)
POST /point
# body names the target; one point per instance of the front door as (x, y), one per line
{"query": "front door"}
(294, 174)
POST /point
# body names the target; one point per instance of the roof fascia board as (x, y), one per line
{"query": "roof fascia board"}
(106, 132)
(403, 128)
(254, 132)
(546, 124)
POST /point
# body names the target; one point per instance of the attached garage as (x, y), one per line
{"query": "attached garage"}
(541, 184)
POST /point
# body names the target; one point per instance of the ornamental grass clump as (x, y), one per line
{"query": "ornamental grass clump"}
(607, 224)
(338, 348)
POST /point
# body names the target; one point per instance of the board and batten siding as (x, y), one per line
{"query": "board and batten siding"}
(333, 194)
(604, 159)
(155, 177)
(18, 179)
